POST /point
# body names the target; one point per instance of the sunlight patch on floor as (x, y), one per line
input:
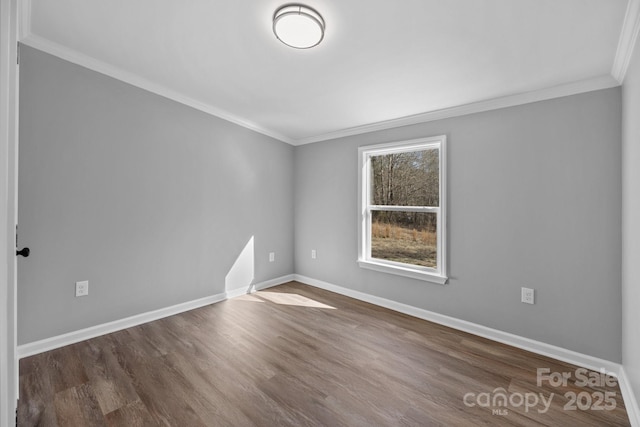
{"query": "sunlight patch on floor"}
(291, 299)
(249, 297)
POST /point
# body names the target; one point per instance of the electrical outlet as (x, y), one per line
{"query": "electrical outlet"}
(82, 288)
(272, 256)
(314, 254)
(528, 296)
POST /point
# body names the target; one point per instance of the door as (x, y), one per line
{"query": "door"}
(8, 209)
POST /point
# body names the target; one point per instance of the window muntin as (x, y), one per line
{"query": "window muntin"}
(402, 207)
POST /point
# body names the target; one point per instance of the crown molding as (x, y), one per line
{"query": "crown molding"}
(627, 41)
(73, 56)
(93, 64)
(597, 83)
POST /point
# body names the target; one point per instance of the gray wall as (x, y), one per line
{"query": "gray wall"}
(153, 202)
(535, 200)
(149, 200)
(631, 223)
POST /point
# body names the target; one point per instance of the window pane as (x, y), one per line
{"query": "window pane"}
(407, 237)
(406, 179)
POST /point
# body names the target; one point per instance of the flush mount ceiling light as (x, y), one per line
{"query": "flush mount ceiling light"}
(298, 26)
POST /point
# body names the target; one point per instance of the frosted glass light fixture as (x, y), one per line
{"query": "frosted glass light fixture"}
(298, 26)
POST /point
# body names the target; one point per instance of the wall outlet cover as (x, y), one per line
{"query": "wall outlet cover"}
(528, 296)
(82, 288)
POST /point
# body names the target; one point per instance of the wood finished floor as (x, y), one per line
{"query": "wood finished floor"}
(294, 355)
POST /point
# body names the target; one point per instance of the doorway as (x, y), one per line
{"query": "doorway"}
(8, 206)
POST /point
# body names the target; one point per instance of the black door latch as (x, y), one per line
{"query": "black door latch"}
(24, 252)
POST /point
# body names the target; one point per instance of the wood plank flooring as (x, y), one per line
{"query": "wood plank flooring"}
(294, 355)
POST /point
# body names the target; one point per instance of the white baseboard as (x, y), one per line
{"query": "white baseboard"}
(47, 344)
(555, 352)
(630, 401)
(538, 347)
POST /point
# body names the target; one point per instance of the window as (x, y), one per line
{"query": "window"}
(402, 208)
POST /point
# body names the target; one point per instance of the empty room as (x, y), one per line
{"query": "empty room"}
(328, 213)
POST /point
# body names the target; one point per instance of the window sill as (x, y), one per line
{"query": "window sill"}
(401, 271)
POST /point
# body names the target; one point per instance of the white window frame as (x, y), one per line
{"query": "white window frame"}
(365, 208)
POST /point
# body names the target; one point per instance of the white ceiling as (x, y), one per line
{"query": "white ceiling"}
(381, 64)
